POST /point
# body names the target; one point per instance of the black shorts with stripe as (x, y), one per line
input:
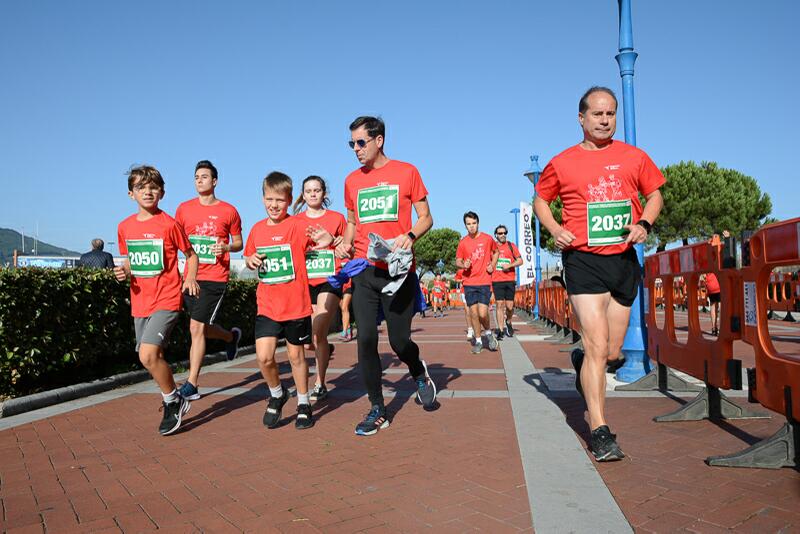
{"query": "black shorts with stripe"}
(205, 307)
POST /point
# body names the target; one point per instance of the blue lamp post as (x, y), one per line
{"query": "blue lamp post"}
(515, 212)
(533, 173)
(637, 363)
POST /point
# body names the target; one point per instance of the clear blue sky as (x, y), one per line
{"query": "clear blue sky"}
(468, 90)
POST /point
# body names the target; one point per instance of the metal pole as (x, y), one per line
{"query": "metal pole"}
(538, 264)
(637, 362)
(515, 212)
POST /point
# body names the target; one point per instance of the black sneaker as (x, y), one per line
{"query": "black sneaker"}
(577, 362)
(604, 446)
(426, 389)
(274, 406)
(232, 348)
(498, 334)
(509, 329)
(319, 393)
(614, 365)
(374, 421)
(304, 417)
(173, 414)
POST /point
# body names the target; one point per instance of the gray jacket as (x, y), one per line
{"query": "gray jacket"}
(399, 261)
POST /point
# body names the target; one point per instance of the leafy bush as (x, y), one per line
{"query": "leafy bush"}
(60, 327)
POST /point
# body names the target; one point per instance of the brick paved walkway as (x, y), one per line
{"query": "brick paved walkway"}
(103, 467)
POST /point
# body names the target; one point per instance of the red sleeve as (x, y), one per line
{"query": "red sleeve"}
(342, 226)
(493, 248)
(548, 186)
(461, 251)
(179, 217)
(235, 223)
(418, 191)
(514, 250)
(650, 177)
(123, 246)
(250, 247)
(348, 200)
(178, 237)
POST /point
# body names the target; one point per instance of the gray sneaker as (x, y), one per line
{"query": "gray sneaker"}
(426, 389)
(477, 348)
(489, 341)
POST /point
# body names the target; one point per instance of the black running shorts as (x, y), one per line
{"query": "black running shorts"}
(205, 307)
(592, 274)
(503, 290)
(323, 288)
(713, 298)
(295, 331)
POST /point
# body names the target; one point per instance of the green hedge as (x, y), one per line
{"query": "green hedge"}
(61, 327)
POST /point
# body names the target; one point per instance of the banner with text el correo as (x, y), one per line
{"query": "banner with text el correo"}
(526, 244)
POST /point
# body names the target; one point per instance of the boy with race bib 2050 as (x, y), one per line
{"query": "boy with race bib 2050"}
(150, 240)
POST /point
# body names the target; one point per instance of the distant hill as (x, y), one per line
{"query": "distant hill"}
(11, 239)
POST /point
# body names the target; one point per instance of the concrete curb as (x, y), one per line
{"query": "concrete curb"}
(44, 399)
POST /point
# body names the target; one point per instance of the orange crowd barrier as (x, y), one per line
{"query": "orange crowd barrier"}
(747, 295)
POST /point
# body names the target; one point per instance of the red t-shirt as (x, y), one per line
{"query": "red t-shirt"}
(152, 249)
(479, 251)
(218, 220)
(382, 200)
(335, 223)
(608, 183)
(712, 283)
(288, 299)
(439, 288)
(509, 253)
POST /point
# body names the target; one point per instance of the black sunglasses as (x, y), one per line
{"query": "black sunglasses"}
(501, 233)
(360, 142)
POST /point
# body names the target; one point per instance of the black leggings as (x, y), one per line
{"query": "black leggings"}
(398, 311)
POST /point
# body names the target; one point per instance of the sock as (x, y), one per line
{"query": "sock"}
(487, 332)
(302, 398)
(470, 332)
(276, 392)
(172, 396)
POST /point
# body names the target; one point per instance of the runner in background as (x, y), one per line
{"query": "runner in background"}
(425, 296)
(477, 255)
(459, 279)
(344, 307)
(215, 230)
(714, 298)
(504, 280)
(320, 264)
(437, 294)
(599, 181)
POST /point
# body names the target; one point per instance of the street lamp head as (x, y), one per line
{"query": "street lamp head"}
(514, 211)
(534, 170)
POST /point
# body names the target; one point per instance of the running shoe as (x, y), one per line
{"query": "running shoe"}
(489, 341)
(274, 407)
(173, 415)
(509, 329)
(614, 365)
(604, 446)
(189, 391)
(343, 335)
(375, 420)
(576, 356)
(319, 393)
(426, 389)
(232, 348)
(305, 419)
(476, 348)
(331, 349)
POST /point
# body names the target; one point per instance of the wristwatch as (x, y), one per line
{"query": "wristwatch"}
(412, 236)
(646, 225)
